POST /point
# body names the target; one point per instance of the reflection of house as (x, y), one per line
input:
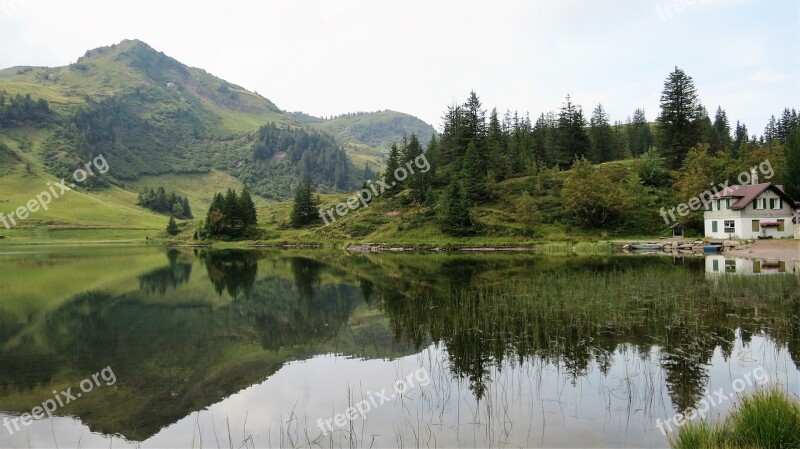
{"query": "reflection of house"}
(718, 265)
(750, 211)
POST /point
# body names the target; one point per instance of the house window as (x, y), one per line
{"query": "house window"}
(775, 203)
(714, 226)
(756, 226)
(761, 203)
(716, 265)
(730, 266)
(781, 226)
(730, 226)
(727, 203)
(718, 205)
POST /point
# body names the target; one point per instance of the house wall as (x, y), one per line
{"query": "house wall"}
(743, 229)
(743, 221)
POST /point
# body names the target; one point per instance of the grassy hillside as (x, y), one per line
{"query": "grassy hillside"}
(159, 122)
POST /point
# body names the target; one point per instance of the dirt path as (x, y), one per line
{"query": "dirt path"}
(788, 250)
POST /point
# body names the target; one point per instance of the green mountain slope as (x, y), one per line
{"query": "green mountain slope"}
(367, 136)
(157, 122)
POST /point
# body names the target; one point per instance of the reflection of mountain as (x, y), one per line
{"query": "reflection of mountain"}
(189, 335)
(172, 358)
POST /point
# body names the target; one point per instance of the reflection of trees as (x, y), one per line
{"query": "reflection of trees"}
(167, 278)
(574, 315)
(176, 357)
(306, 275)
(233, 271)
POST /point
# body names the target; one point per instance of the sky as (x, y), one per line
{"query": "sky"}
(327, 57)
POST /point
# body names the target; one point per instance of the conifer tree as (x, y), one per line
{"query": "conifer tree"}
(602, 136)
(304, 208)
(417, 182)
(679, 120)
(474, 179)
(393, 162)
(722, 132)
(791, 178)
(172, 226)
(232, 213)
(456, 218)
(248, 209)
(496, 143)
(740, 140)
(571, 138)
(640, 137)
(187, 210)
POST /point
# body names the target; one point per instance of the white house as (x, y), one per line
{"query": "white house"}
(751, 211)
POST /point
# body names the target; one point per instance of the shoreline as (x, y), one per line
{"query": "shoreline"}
(783, 250)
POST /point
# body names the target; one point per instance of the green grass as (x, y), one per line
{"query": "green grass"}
(768, 419)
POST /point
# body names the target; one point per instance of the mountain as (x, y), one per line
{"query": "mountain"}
(151, 116)
(367, 136)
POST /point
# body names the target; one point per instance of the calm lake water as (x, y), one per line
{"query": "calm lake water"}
(224, 348)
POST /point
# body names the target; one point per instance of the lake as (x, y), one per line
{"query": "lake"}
(154, 347)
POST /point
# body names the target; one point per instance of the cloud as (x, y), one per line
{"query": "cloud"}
(332, 56)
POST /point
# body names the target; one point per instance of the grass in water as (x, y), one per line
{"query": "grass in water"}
(768, 420)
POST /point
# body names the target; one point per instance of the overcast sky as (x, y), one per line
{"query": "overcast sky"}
(335, 56)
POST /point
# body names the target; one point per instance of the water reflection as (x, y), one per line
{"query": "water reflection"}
(224, 334)
(720, 265)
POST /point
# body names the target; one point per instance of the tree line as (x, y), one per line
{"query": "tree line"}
(18, 110)
(159, 200)
(683, 148)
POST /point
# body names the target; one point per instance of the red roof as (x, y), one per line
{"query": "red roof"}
(745, 194)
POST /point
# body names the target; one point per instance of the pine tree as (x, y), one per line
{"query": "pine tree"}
(791, 178)
(248, 209)
(771, 130)
(214, 223)
(475, 123)
(496, 143)
(740, 140)
(474, 179)
(172, 226)
(304, 208)
(602, 136)
(187, 211)
(433, 155)
(454, 136)
(722, 132)
(392, 164)
(640, 137)
(571, 138)
(417, 182)
(456, 219)
(679, 120)
(786, 125)
(234, 220)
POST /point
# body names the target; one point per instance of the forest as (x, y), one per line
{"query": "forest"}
(593, 174)
(170, 203)
(282, 154)
(18, 110)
